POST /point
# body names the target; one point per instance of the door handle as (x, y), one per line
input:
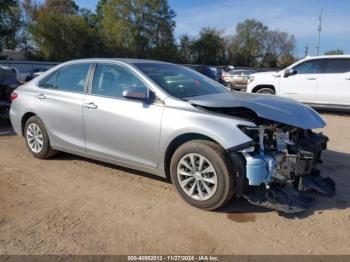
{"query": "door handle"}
(90, 105)
(41, 96)
(311, 78)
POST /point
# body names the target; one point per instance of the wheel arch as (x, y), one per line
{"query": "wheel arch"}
(177, 142)
(258, 87)
(24, 120)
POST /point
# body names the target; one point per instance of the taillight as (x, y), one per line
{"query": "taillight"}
(13, 96)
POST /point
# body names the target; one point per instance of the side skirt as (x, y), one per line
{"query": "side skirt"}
(153, 171)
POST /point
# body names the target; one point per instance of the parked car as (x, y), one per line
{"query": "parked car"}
(173, 122)
(8, 83)
(25, 69)
(38, 72)
(219, 72)
(222, 71)
(205, 70)
(228, 68)
(237, 79)
(320, 81)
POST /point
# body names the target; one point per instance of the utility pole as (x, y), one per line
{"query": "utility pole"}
(306, 50)
(319, 33)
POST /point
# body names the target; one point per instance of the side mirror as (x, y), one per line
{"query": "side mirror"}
(140, 93)
(289, 72)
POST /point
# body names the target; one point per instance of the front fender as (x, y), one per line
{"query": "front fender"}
(222, 129)
(263, 82)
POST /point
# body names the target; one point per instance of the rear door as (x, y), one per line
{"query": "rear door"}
(59, 104)
(302, 85)
(334, 82)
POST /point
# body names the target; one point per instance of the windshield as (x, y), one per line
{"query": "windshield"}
(179, 81)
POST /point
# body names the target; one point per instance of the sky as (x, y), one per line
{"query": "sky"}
(296, 17)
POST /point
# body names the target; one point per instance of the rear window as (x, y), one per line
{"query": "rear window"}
(49, 81)
(69, 78)
(337, 66)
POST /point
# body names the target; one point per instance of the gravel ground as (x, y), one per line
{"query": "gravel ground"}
(71, 205)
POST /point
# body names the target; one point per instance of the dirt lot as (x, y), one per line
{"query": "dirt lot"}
(70, 205)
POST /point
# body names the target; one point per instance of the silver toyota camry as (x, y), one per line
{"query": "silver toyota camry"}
(173, 122)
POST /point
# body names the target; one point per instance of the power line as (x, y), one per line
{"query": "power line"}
(319, 33)
(306, 50)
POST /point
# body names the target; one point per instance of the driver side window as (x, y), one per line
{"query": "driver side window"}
(308, 67)
(111, 80)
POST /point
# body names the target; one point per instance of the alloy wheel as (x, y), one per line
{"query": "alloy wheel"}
(35, 138)
(197, 176)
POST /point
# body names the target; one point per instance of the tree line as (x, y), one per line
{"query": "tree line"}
(59, 30)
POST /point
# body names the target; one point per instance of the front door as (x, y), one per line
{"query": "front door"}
(303, 84)
(119, 128)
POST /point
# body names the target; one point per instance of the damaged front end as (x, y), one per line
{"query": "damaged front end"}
(282, 157)
(280, 162)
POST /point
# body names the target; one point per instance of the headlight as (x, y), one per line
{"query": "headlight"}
(250, 79)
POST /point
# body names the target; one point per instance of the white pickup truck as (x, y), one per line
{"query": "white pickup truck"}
(320, 81)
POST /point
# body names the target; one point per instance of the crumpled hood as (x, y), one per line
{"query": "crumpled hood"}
(282, 110)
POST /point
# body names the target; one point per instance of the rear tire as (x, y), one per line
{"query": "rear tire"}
(37, 139)
(205, 190)
(266, 91)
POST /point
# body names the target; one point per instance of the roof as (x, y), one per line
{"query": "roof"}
(327, 56)
(241, 70)
(124, 60)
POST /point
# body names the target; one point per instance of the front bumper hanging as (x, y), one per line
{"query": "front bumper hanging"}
(314, 181)
(286, 200)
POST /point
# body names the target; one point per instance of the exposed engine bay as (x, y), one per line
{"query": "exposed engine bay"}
(281, 160)
(288, 153)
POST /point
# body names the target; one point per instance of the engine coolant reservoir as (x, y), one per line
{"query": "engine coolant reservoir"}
(259, 168)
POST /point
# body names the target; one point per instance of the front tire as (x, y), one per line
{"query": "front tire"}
(37, 139)
(202, 174)
(266, 91)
